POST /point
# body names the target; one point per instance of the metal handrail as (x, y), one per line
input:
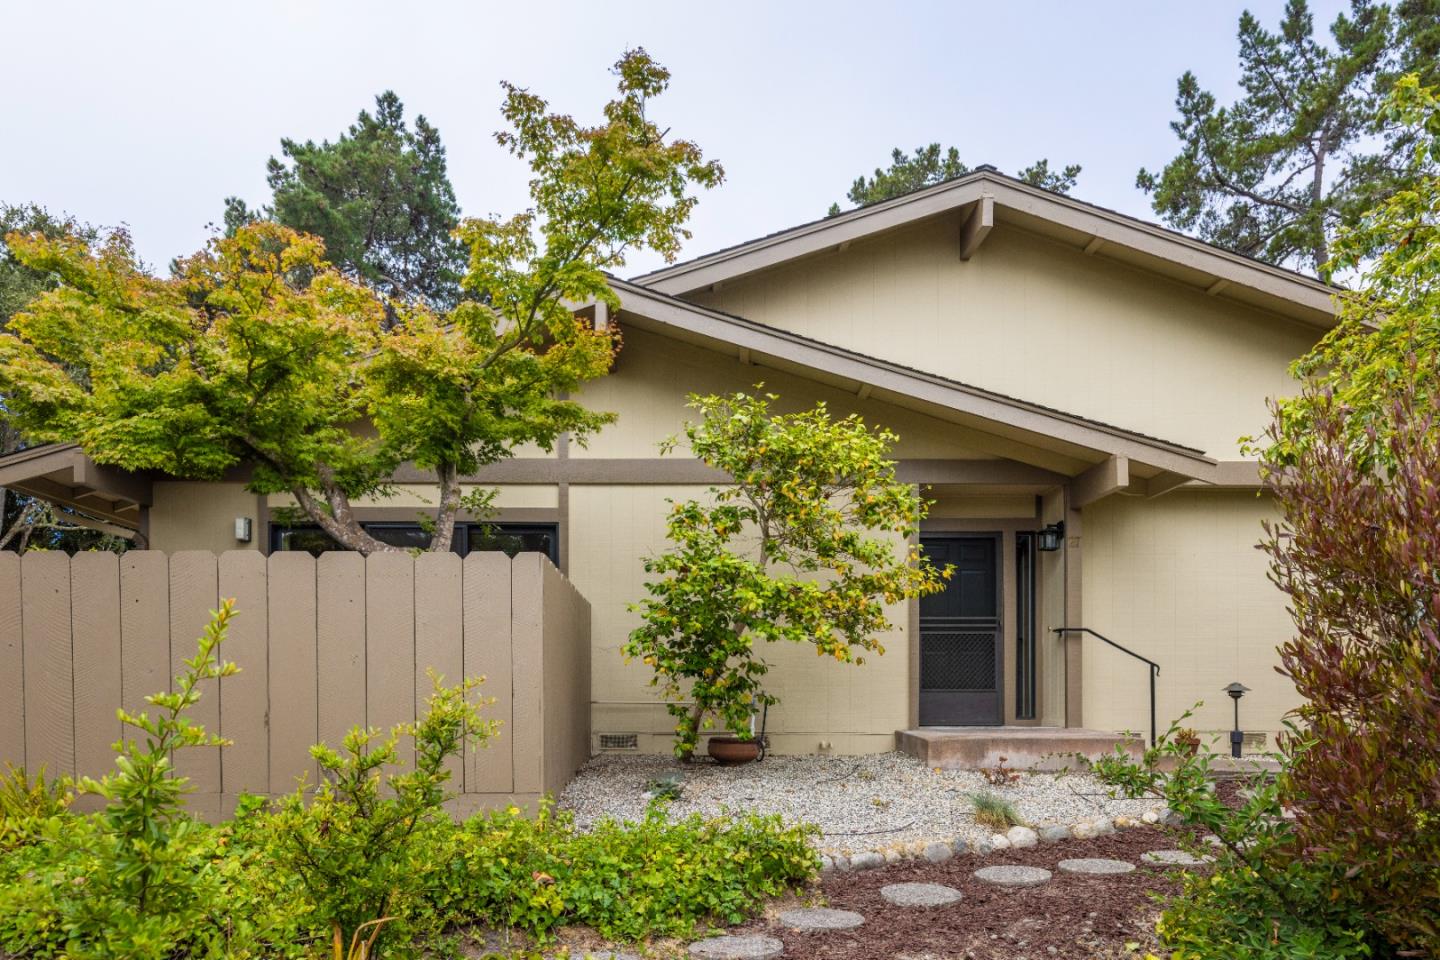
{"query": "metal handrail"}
(1154, 669)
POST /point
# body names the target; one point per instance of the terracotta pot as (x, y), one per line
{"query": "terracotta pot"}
(1191, 745)
(730, 751)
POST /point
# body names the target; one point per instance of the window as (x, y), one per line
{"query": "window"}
(508, 538)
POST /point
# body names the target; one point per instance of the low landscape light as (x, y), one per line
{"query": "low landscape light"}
(1237, 737)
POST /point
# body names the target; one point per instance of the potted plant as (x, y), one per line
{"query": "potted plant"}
(1188, 740)
(733, 751)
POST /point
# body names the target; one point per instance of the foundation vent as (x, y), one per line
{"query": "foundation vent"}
(619, 741)
(1255, 740)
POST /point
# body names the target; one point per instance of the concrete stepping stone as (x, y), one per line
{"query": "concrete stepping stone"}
(820, 919)
(1175, 858)
(920, 894)
(1096, 866)
(1012, 875)
(748, 946)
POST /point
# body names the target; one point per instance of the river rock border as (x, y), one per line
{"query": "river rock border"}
(941, 849)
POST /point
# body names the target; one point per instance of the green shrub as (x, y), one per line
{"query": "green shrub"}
(994, 811)
(363, 863)
(137, 880)
(1284, 910)
(628, 881)
(1264, 898)
(25, 804)
(363, 846)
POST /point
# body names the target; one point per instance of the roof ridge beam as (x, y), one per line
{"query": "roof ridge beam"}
(977, 225)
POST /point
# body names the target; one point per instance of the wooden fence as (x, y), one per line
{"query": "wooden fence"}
(322, 645)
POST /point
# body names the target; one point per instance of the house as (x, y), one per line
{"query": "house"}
(1071, 387)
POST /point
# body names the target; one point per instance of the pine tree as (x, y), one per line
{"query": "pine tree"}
(932, 164)
(1300, 153)
(380, 198)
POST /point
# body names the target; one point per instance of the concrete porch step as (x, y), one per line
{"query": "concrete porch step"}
(1024, 748)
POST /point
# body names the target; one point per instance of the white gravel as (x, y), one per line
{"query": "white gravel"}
(859, 803)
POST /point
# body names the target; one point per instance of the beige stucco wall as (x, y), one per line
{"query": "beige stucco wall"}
(1031, 317)
(654, 375)
(188, 515)
(1179, 580)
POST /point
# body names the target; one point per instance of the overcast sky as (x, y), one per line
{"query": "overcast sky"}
(150, 114)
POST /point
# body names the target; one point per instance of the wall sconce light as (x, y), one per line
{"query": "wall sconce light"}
(1050, 537)
(1237, 738)
(242, 529)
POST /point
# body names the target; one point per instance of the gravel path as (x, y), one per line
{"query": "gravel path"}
(859, 803)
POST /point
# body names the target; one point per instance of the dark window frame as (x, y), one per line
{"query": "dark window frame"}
(460, 543)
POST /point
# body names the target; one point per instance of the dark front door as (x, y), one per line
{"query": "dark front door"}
(960, 635)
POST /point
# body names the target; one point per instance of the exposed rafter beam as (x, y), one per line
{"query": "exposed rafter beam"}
(1101, 480)
(1162, 483)
(1095, 244)
(47, 489)
(90, 523)
(111, 482)
(1217, 286)
(745, 356)
(864, 392)
(977, 226)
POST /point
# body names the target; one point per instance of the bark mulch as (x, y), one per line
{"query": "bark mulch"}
(1070, 916)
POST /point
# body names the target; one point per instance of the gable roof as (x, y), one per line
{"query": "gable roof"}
(1010, 418)
(1091, 228)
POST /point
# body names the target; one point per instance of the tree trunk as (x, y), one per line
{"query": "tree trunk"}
(19, 527)
(697, 713)
(444, 534)
(1321, 251)
(339, 520)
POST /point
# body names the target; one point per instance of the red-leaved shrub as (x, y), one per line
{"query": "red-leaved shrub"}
(1358, 555)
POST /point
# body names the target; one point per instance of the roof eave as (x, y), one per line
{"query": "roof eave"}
(1309, 295)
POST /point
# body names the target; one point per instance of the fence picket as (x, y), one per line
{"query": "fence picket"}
(390, 644)
(294, 707)
(340, 630)
(12, 662)
(49, 708)
(193, 595)
(438, 633)
(486, 593)
(144, 627)
(244, 698)
(95, 614)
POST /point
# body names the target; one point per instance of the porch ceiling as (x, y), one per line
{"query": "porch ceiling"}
(64, 475)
